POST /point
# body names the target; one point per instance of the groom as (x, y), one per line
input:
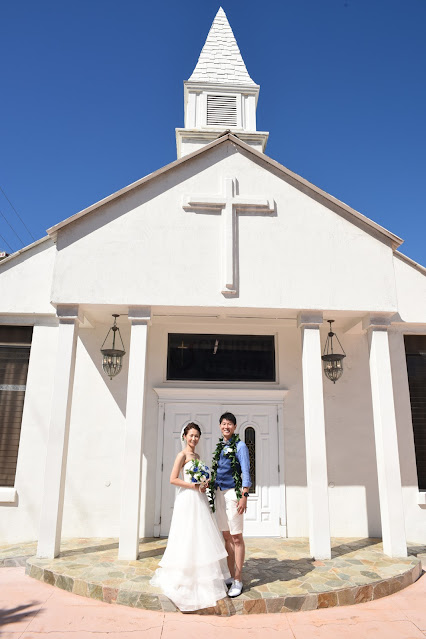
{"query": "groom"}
(232, 483)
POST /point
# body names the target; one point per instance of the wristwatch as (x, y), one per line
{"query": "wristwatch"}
(245, 494)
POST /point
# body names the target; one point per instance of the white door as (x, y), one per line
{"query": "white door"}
(176, 417)
(262, 517)
(257, 425)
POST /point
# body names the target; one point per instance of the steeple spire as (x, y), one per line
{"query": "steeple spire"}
(220, 60)
(220, 95)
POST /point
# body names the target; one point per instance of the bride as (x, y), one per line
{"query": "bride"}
(193, 569)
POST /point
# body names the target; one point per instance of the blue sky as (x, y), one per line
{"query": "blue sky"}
(91, 92)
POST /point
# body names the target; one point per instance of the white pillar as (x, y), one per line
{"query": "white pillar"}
(316, 455)
(49, 540)
(385, 434)
(131, 496)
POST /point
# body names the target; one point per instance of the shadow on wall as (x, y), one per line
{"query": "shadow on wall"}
(351, 448)
(92, 342)
(95, 449)
(351, 451)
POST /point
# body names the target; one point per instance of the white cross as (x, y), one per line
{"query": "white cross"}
(229, 205)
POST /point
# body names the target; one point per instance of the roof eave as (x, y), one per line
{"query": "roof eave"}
(14, 255)
(410, 262)
(394, 239)
(365, 221)
(52, 231)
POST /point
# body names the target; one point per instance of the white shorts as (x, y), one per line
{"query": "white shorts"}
(227, 516)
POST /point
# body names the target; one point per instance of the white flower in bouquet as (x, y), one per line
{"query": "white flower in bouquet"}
(198, 471)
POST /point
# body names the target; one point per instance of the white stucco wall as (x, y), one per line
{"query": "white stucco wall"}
(95, 450)
(145, 249)
(20, 521)
(96, 442)
(148, 250)
(354, 508)
(411, 291)
(26, 280)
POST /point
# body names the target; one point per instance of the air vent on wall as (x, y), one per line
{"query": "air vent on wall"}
(221, 109)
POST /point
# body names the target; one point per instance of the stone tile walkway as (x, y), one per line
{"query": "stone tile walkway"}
(30, 609)
(279, 576)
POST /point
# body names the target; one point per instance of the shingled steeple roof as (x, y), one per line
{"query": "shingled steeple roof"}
(220, 60)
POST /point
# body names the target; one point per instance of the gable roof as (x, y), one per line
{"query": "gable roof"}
(340, 207)
(24, 249)
(220, 60)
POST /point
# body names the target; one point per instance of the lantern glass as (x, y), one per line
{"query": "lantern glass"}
(112, 358)
(332, 362)
(112, 361)
(333, 366)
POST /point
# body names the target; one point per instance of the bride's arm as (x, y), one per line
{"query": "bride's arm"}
(174, 476)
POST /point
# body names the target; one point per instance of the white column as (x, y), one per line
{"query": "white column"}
(131, 496)
(57, 447)
(316, 455)
(385, 434)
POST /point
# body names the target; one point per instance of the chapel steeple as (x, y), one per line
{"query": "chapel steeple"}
(220, 94)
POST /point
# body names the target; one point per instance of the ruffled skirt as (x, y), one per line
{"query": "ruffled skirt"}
(193, 568)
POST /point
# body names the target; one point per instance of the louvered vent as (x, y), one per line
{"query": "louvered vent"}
(221, 109)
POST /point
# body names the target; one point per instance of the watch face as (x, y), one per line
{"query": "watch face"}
(246, 494)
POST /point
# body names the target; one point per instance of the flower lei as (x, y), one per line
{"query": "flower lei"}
(231, 454)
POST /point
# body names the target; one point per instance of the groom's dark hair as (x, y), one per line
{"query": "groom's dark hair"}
(230, 417)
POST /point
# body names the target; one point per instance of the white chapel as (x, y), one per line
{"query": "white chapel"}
(216, 266)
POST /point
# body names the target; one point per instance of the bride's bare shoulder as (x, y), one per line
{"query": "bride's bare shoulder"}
(180, 460)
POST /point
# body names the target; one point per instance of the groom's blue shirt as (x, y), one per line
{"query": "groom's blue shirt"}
(224, 479)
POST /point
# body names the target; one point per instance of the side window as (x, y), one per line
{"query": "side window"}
(15, 343)
(415, 352)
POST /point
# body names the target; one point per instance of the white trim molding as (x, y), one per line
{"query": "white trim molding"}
(421, 498)
(8, 495)
(234, 395)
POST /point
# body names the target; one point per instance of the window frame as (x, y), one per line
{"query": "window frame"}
(197, 380)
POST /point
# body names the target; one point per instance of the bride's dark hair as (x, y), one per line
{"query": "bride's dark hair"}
(189, 427)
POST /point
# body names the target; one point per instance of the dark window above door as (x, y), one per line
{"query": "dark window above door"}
(235, 358)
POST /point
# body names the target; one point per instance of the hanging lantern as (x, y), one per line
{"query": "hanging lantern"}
(332, 362)
(112, 358)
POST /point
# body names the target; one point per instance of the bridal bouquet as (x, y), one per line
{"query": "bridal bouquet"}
(198, 471)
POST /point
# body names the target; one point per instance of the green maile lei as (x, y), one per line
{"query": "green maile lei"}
(232, 456)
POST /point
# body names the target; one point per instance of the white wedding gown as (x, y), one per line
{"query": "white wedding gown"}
(193, 567)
